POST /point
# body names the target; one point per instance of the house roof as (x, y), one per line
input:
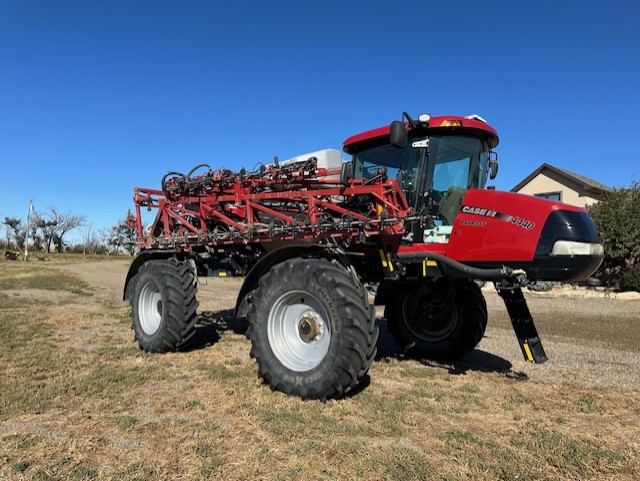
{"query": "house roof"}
(586, 182)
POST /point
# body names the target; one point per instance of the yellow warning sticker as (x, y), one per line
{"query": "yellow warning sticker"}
(527, 351)
(384, 259)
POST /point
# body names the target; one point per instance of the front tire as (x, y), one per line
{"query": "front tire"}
(441, 320)
(163, 305)
(312, 330)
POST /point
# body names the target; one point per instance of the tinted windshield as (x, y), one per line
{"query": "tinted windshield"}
(453, 161)
(393, 159)
(458, 161)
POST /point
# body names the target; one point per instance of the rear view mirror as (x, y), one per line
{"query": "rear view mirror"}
(346, 173)
(493, 166)
(398, 134)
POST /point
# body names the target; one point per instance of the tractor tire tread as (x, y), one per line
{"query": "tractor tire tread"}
(177, 283)
(354, 351)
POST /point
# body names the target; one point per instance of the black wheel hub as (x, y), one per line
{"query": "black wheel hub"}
(429, 317)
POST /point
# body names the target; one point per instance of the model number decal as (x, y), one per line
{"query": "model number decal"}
(524, 223)
(519, 221)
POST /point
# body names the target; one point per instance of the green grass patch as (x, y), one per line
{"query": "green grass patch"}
(380, 415)
(218, 372)
(126, 422)
(282, 421)
(82, 473)
(20, 466)
(29, 276)
(41, 475)
(17, 331)
(38, 376)
(110, 380)
(211, 467)
(458, 437)
(118, 353)
(572, 456)
(19, 302)
(193, 404)
(19, 441)
(138, 471)
(587, 404)
(405, 464)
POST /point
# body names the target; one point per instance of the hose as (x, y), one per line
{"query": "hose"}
(472, 272)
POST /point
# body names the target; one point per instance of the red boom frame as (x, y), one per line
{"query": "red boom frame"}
(293, 201)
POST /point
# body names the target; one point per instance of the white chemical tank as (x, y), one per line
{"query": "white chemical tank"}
(329, 159)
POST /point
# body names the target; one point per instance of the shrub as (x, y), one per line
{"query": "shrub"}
(617, 218)
(630, 280)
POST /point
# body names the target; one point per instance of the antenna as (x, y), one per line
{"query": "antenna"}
(412, 122)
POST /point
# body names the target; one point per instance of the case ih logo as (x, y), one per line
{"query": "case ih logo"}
(480, 211)
(519, 221)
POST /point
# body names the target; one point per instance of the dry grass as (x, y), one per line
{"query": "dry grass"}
(79, 401)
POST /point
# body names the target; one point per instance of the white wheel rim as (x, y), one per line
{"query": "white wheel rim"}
(298, 331)
(150, 308)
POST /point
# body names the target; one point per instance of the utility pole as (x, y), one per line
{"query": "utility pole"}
(26, 239)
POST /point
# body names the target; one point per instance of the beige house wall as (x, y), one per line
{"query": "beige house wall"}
(542, 184)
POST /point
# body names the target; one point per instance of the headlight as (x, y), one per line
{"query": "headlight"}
(573, 248)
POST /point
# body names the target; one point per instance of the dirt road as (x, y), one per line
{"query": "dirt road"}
(592, 341)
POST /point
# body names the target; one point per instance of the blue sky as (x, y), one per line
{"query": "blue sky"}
(98, 97)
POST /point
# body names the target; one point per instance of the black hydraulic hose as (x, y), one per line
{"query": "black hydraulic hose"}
(176, 175)
(190, 173)
(473, 272)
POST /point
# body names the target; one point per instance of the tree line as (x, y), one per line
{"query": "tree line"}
(49, 230)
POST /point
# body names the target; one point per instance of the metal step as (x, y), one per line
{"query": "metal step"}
(523, 325)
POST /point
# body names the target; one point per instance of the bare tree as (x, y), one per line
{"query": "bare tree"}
(92, 241)
(87, 236)
(54, 225)
(66, 223)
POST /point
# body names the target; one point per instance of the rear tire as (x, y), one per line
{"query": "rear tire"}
(312, 330)
(163, 305)
(441, 320)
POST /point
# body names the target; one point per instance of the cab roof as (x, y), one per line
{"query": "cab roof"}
(466, 126)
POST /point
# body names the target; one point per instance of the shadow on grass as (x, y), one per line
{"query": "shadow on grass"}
(476, 360)
(211, 324)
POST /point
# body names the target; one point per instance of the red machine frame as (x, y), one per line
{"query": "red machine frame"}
(223, 207)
